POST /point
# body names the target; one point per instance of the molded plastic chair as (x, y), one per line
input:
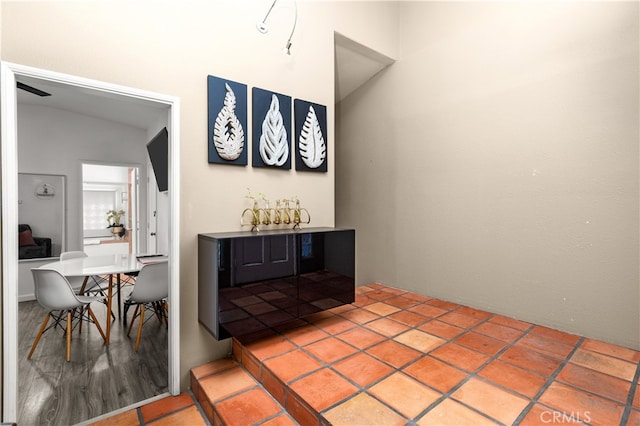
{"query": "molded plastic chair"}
(80, 283)
(149, 292)
(54, 293)
(94, 285)
(85, 285)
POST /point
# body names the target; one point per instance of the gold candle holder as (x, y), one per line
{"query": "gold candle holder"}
(283, 213)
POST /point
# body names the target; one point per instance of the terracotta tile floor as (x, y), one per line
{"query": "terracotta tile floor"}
(173, 410)
(397, 358)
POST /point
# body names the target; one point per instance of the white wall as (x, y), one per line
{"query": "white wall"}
(495, 164)
(54, 141)
(105, 174)
(171, 47)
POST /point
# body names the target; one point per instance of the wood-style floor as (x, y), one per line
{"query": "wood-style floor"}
(98, 379)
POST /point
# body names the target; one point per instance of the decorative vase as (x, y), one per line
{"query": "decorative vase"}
(117, 231)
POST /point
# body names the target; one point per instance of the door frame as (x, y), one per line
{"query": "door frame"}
(152, 211)
(9, 199)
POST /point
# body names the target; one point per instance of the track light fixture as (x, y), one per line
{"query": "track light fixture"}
(264, 28)
(287, 49)
(262, 25)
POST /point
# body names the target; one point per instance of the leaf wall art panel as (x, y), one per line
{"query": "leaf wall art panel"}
(227, 117)
(310, 136)
(271, 129)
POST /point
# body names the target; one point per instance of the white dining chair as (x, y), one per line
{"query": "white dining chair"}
(91, 285)
(82, 284)
(149, 292)
(54, 293)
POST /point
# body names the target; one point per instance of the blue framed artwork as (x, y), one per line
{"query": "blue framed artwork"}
(271, 129)
(227, 117)
(310, 136)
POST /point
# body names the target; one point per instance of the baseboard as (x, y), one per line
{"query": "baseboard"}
(26, 297)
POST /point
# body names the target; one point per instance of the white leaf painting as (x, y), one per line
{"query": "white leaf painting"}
(311, 145)
(274, 148)
(228, 135)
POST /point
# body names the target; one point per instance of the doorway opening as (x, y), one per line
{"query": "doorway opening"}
(109, 99)
(110, 195)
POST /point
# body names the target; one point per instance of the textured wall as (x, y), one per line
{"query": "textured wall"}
(495, 164)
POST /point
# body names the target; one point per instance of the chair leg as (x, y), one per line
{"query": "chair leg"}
(35, 342)
(140, 326)
(81, 315)
(124, 314)
(100, 290)
(165, 312)
(69, 329)
(133, 318)
(84, 284)
(157, 311)
(60, 315)
(95, 321)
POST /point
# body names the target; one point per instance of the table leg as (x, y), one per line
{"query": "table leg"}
(119, 304)
(109, 301)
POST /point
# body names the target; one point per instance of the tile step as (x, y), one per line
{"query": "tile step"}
(229, 395)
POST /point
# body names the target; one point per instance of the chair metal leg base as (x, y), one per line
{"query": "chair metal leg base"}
(71, 315)
(161, 310)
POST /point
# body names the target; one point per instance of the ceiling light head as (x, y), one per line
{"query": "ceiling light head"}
(287, 49)
(262, 27)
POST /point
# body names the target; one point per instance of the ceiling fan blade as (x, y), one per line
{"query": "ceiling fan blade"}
(32, 89)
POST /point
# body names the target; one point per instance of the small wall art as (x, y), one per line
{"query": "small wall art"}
(271, 129)
(227, 116)
(310, 136)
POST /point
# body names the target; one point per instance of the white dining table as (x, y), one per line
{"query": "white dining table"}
(105, 265)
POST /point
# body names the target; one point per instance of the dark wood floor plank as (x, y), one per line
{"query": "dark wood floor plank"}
(98, 379)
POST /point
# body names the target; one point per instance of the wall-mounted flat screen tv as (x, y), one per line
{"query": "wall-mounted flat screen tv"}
(158, 149)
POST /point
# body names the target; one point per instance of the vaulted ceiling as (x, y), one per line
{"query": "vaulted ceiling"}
(355, 65)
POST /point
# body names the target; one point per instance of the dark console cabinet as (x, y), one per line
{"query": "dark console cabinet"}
(251, 281)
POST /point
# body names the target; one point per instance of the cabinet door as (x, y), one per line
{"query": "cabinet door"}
(261, 291)
(262, 258)
(326, 271)
(247, 284)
